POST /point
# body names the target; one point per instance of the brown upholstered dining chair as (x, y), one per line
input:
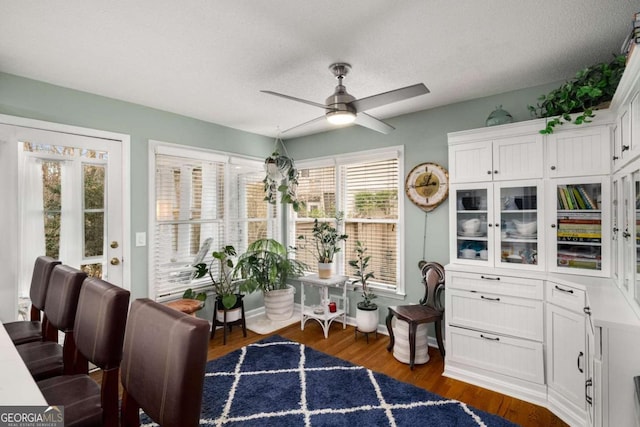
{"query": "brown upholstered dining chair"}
(430, 309)
(98, 334)
(46, 359)
(25, 331)
(163, 365)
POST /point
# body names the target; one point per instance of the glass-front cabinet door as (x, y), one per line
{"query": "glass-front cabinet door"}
(636, 234)
(580, 228)
(518, 217)
(496, 224)
(470, 219)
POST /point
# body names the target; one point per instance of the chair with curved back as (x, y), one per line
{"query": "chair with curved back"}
(430, 309)
(98, 335)
(163, 365)
(25, 331)
(46, 359)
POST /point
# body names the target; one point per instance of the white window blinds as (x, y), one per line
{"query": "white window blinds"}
(202, 203)
(365, 187)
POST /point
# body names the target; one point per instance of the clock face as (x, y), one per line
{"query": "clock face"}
(427, 185)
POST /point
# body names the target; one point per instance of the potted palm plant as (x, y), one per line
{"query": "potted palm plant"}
(326, 243)
(225, 287)
(367, 310)
(266, 266)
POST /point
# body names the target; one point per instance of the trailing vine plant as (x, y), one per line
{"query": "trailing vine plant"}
(281, 177)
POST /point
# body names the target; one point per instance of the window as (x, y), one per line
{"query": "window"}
(202, 201)
(365, 188)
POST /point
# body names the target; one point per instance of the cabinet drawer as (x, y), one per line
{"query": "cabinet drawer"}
(518, 317)
(496, 284)
(507, 356)
(566, 296)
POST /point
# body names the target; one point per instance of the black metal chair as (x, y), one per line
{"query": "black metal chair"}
(430, 309)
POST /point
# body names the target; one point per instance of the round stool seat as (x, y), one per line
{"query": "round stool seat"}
(188, 306)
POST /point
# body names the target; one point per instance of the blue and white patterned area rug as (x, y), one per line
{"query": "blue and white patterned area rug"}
(278, 382)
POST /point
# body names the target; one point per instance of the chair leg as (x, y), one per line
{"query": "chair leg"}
(244, 324)
(412, 343)
(439, 337)
(390, 330)
(129, 411)
(109, 397)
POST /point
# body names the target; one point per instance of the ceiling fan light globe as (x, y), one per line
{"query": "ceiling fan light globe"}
(340, 117)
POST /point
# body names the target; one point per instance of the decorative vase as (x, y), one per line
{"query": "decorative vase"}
(325, 270)
(401, 347)
(499, 117)
(367, 319)
(278, 304)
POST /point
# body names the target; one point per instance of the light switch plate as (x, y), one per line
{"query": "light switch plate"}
(141, 239)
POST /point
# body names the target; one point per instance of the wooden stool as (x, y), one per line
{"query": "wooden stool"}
(220, 307)
(188, 306)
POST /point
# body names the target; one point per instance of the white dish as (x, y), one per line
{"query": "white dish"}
(467, 257)
(523, 236)
(474, 234)
(514, 258)
(318, 310)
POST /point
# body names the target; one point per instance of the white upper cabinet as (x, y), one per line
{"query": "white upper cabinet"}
(501, 153)
(580, 151)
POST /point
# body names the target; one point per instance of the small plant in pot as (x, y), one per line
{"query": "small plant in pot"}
(326, 243)
(367, 313)
(225, 287)
(266, 266)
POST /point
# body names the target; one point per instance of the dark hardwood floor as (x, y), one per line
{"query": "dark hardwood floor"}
(374, 355)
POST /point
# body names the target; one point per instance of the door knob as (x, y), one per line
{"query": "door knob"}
(115, 261)
(114, 244)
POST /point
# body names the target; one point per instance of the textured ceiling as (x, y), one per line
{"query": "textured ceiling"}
(210, 59)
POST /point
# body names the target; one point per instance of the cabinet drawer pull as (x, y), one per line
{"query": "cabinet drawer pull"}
(626, 234)
(553, 168)
(495, 171)
(488, 172)
(489, 278)
(587, 311)
(489, 338)
(568, 291)
(489, 299)
(625, 148)
(580, 355)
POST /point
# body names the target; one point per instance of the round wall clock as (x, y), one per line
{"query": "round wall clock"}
(427, 185)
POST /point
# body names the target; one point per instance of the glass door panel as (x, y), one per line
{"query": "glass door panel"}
(579, 226)
(636, 233)
(518, 226)
(471, 219)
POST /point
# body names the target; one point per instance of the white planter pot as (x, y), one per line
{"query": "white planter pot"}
(232, 315)
(278, 304)
(401, 345)
(367, 320)
(325, 269)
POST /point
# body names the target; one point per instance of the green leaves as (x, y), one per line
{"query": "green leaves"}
(361, 264)
(591, 87)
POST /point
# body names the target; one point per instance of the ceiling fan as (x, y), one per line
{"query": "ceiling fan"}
(341, 108)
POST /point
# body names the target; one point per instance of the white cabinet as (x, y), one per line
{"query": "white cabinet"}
(582, 151)
(498, 159)
(579, 231)
(496, 224)
(494, 323)
(569, 357)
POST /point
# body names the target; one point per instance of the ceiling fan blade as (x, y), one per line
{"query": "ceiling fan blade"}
(317, 119)
(385, 98)
(304, 101)
(368, 121)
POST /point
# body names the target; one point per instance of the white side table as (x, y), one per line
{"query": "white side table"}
(325, 317)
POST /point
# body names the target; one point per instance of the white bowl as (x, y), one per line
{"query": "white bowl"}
(471, 225)
(526, 228)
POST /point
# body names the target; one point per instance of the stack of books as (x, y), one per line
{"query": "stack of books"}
(580, 257)
(572, 197)
(633, 38)
(580, 227)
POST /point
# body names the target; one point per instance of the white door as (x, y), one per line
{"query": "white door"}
(68, 193)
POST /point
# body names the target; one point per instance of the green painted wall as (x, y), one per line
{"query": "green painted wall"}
(423, 134)
(424, 137)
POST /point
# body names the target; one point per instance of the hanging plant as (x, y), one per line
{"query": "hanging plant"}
(281, 177)
(591, 89)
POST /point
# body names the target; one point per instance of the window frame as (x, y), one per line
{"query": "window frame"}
(229, 161)
(336, 161)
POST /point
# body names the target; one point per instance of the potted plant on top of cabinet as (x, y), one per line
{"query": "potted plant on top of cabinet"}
(367, 313)
(326, 243)
(591, 89)
(266, 266)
